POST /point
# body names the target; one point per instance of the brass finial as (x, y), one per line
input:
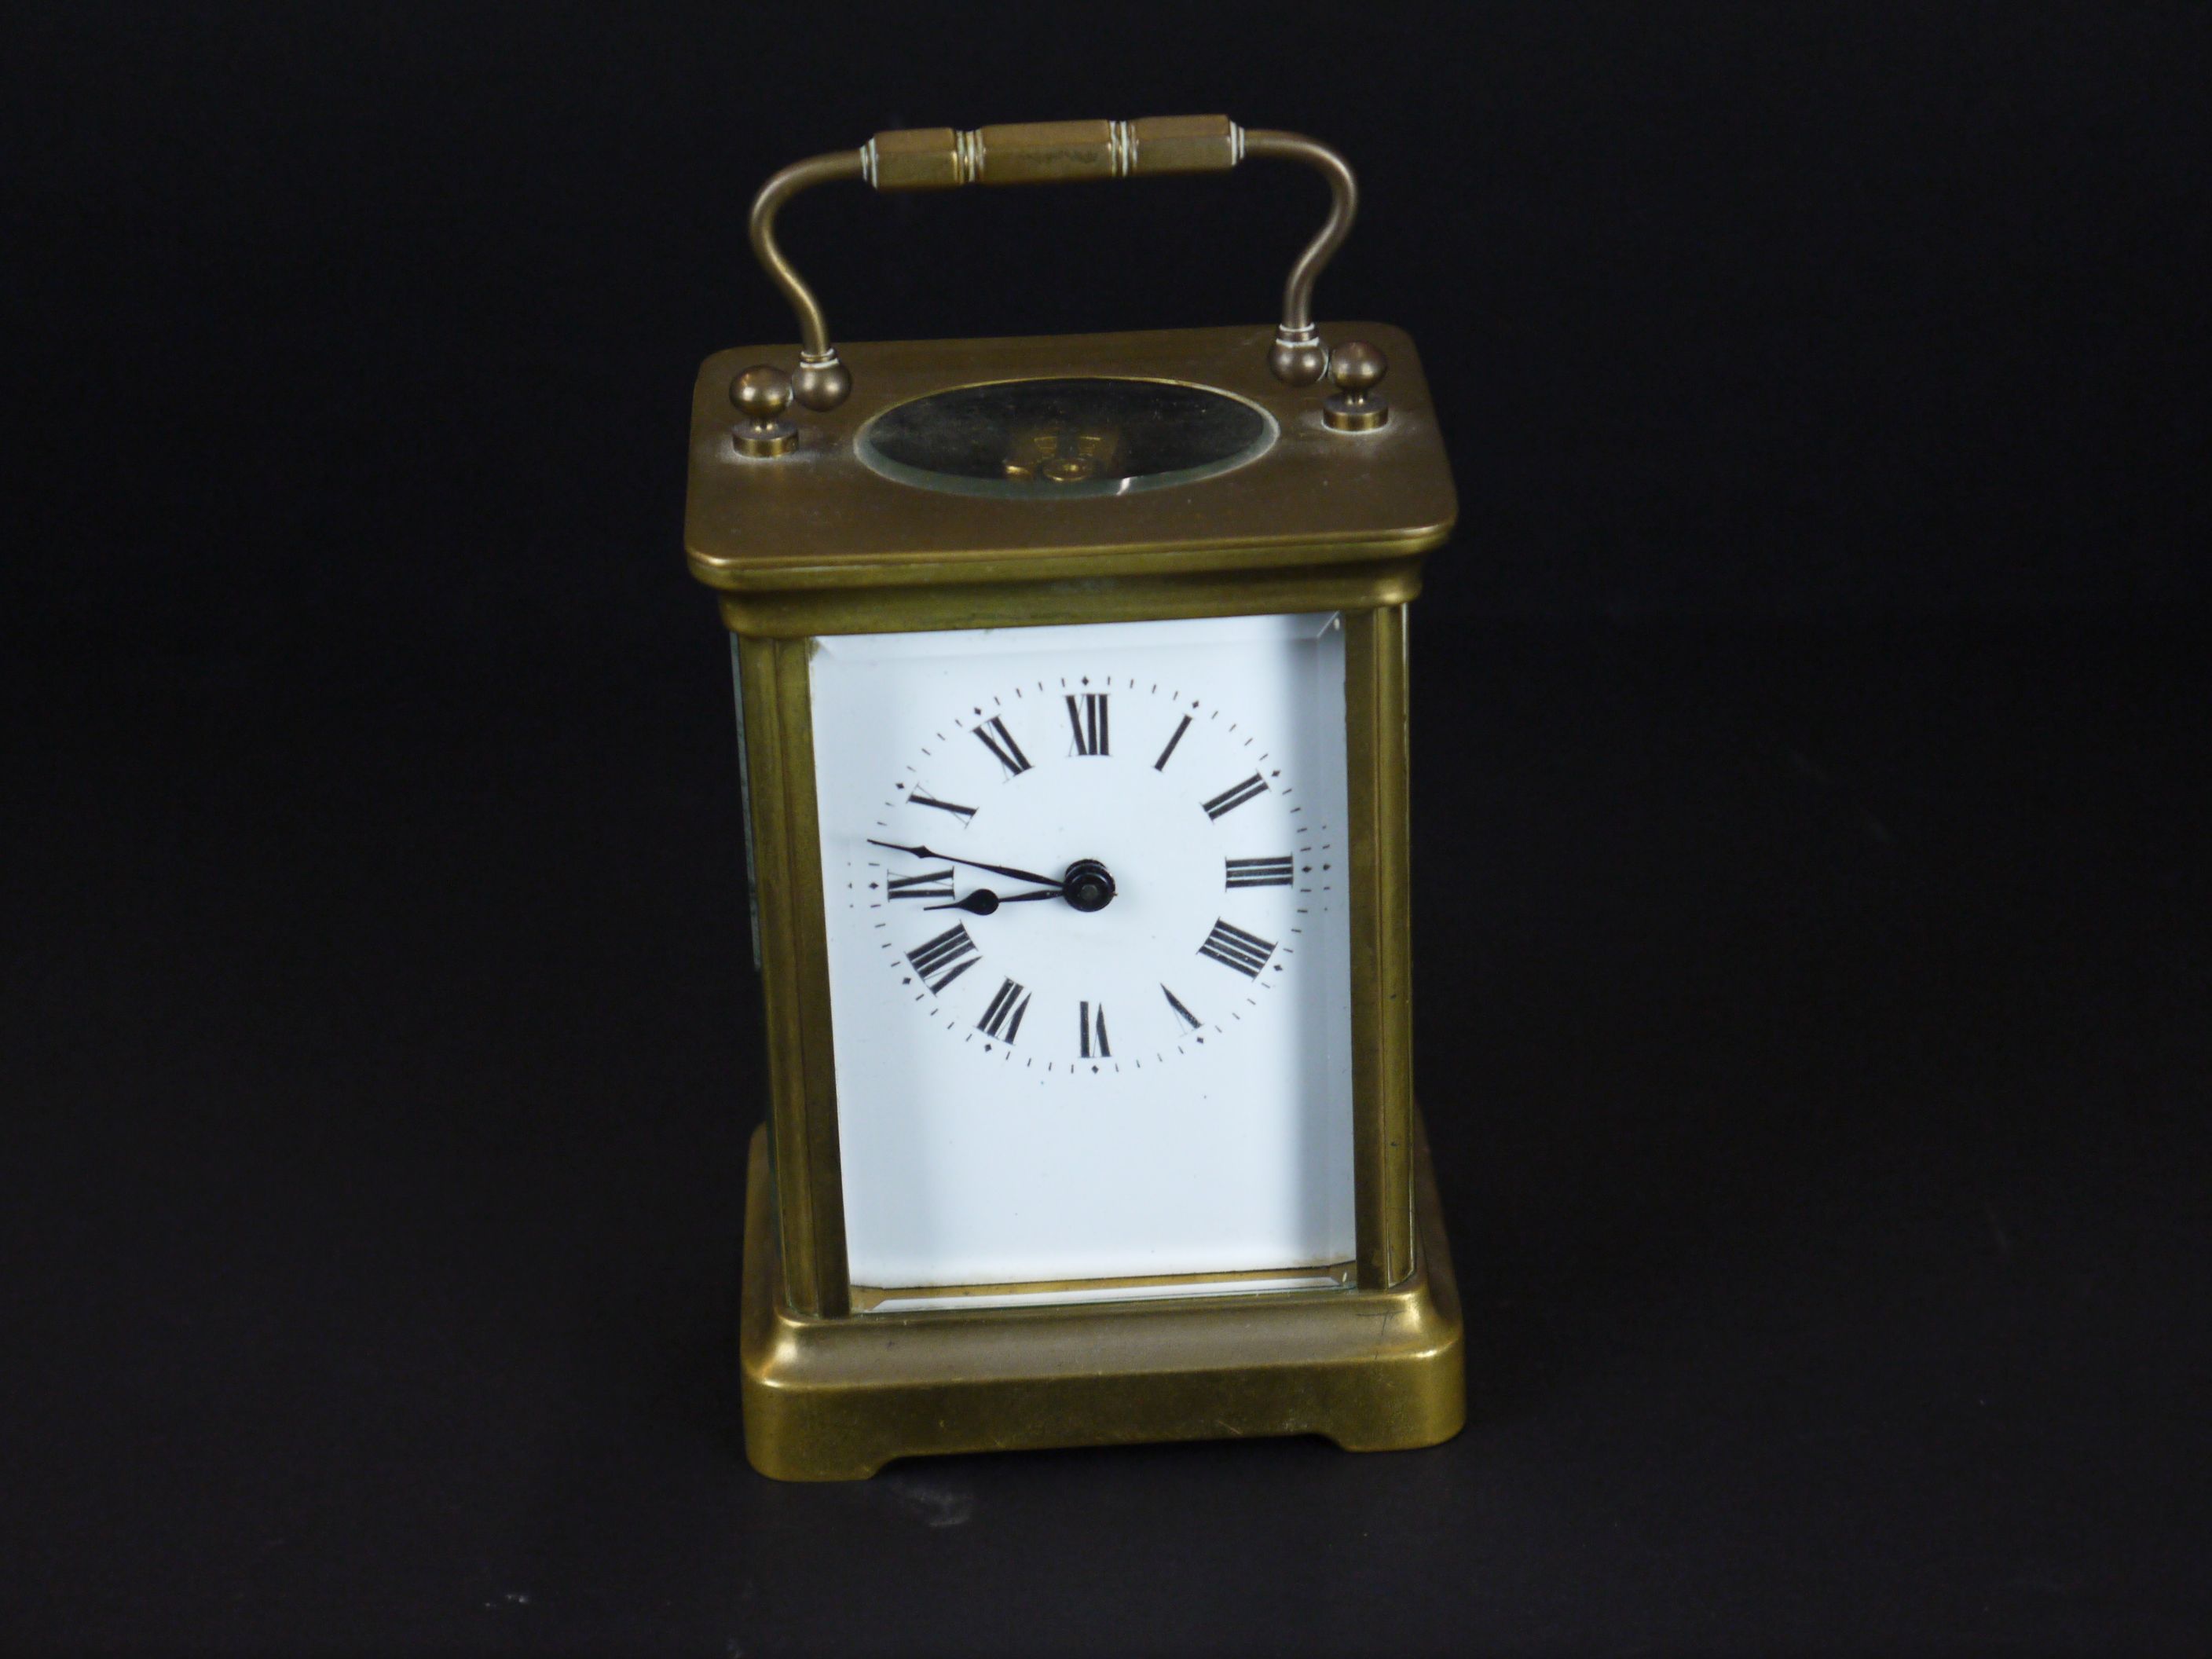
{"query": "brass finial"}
(1355, 406)
(762, 393)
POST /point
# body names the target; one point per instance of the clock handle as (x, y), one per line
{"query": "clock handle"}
(1052, 153)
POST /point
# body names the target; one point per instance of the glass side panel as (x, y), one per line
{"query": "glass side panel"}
(1062, 438)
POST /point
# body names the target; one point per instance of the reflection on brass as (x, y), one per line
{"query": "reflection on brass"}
(1056, 152)
(762, 393)
(1060, 454)
(837, 1399)
(1355, 405)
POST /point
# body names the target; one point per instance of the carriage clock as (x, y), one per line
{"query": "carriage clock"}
(1073, 705)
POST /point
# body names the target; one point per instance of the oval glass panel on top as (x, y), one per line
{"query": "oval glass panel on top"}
(1064, 439)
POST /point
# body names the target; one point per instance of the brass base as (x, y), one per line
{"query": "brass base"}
(763, 438)
(1341, 414)
(837, 1399)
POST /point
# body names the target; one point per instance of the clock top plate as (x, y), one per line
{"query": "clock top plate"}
(824, 516)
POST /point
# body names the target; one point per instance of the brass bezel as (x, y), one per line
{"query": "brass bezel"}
(779, 735)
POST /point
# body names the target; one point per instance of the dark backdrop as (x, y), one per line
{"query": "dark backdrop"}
(1808, 765)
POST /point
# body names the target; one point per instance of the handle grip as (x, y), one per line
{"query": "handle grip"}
(1050, 153)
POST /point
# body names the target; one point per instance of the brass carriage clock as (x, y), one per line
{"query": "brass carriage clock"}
(1072, 684)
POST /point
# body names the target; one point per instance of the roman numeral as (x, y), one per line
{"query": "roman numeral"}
(1161, 764)
(1232, 947)
(941, 960)
(964, 813)
(1175, 1003)
(1003, 746)
(934, 884)
(1259, 872)
(1090, 723)
(1094, 1020)
(1234, 797)
(1006, 1010)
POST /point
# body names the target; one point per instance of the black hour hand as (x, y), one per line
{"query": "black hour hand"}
(983, 900)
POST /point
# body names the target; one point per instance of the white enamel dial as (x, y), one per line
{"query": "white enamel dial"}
(1089, 973)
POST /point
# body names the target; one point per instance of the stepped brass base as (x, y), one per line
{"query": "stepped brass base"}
(837, 1399)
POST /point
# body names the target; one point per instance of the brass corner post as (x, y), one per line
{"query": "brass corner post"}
(1382, 951)
(1055, 152)
(795, 976)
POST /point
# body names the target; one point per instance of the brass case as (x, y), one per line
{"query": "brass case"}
(812, 543)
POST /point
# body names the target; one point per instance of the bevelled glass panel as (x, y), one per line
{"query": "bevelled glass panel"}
(1064, 439)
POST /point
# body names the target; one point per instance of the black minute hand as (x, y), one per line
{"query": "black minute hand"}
(1053, 882)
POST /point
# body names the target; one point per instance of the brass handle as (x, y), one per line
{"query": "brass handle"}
(1051, 153)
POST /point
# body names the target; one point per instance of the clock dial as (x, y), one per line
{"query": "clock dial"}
(1095, 876)
(1087, 928)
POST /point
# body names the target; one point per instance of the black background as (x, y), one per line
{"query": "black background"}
(1809, 740)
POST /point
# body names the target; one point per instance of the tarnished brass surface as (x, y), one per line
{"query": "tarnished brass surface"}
(1055, 152)
(819, 521)
(836, 1399)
